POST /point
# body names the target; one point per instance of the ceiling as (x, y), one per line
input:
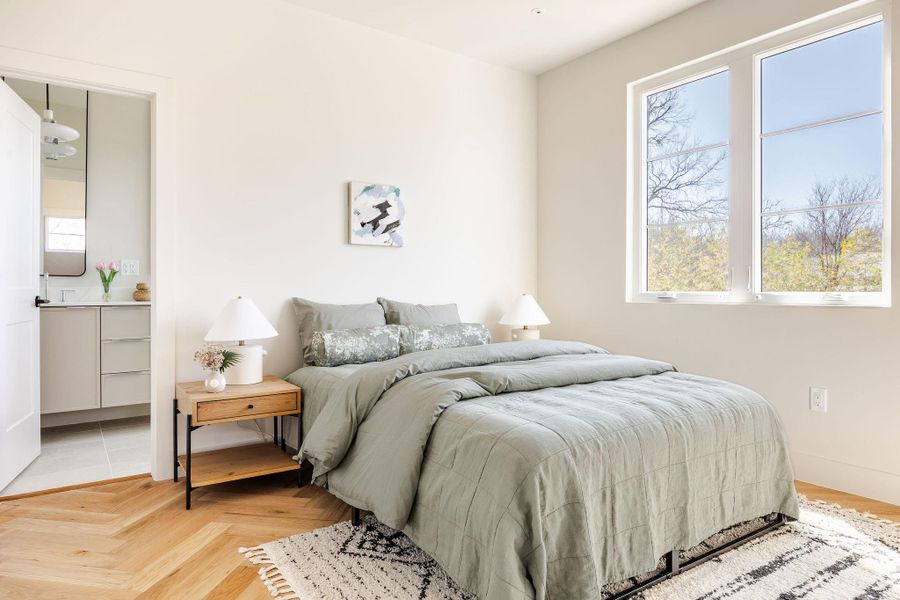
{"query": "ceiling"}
(507, 32)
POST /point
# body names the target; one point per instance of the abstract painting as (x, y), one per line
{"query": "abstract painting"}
(376, 214)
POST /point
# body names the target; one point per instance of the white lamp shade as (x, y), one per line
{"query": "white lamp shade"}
(525, 311)
(53, 132)
(240, 320)
(57, 151)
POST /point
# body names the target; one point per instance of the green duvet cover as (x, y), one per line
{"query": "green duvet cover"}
(547, 469)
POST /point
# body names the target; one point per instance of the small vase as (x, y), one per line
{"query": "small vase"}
(215, 381)
(106, 296)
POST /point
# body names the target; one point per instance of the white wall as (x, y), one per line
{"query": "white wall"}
(778, 351)
(277, 109)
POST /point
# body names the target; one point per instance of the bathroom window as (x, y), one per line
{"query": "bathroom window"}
(65, 234)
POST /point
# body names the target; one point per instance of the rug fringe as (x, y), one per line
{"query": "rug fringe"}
(272, 578)
(852, 511)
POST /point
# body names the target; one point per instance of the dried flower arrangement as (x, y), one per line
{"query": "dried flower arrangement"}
(216, 358)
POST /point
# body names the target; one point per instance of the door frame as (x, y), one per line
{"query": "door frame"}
(160, 91)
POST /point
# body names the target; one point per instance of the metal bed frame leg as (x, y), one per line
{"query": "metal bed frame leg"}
(674, 566)
(354, 516)
(673, 563)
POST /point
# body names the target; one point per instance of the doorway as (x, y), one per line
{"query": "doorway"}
(158, 95)
(95, 253)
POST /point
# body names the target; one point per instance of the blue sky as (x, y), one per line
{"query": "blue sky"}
(835, 77)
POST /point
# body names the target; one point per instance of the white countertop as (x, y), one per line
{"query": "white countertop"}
(95, 303)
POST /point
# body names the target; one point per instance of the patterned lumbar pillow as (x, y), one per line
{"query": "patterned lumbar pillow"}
(354, 346)
(414, 338)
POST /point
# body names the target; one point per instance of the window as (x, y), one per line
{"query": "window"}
(65, 234)
(687, 186)
(758, 173)
(821, 145)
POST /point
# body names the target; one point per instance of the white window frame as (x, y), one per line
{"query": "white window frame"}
(743, 62)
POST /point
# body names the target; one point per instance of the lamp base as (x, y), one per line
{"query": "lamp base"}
(249, 368)
(519, 335)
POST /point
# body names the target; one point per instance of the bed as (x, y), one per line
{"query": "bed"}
(546, 469)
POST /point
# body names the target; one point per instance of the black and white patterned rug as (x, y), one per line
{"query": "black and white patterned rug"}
(830, 553)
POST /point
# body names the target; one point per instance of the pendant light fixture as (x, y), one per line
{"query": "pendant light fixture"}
(54, 135)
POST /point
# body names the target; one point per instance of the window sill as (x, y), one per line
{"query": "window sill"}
(854, 300)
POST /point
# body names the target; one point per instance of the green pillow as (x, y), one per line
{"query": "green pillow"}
(421, 315)
(318, 316)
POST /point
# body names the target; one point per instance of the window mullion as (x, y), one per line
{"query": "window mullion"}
(740, 231)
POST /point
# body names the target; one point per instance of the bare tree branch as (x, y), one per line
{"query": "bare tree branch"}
(837, 216)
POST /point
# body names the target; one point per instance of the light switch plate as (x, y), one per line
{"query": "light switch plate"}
(131, 267)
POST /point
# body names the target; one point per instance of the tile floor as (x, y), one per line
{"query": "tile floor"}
(86, 452)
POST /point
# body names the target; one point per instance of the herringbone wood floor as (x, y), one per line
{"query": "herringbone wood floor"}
(133, 539)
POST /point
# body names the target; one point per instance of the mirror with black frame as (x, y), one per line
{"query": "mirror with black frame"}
(64, 132)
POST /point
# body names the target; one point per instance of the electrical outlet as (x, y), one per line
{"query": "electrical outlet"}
(131, 267)
(818, 399)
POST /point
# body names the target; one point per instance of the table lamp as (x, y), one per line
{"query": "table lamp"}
(525, 312)
(239, 321)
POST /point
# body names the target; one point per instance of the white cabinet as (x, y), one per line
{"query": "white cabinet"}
(125, 322)
(94, 357)
(70, 359)
(122, 389)
(124, 356)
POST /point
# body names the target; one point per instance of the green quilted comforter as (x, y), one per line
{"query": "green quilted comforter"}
(547, 469)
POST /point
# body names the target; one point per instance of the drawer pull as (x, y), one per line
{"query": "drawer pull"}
(249, 406)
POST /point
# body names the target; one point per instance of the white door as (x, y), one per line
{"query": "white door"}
(20, 210)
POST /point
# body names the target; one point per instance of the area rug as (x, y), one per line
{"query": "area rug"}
(830, 553)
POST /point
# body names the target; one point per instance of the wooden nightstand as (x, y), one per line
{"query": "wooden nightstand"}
(273, 397)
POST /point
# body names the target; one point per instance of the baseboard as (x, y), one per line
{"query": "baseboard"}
(94, 414)
(845, 477)
(77, 486)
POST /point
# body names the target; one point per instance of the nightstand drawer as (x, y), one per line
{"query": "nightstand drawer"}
(218, 410)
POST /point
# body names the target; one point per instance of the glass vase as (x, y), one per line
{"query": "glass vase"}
(215, 381)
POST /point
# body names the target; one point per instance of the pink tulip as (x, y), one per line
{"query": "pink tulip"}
(101, 266)
(113, 266)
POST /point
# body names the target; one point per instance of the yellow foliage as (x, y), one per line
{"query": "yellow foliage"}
(689, 259)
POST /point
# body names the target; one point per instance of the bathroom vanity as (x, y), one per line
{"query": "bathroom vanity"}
(94, 355)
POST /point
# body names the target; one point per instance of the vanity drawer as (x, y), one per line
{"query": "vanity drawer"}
(119, 356)
(219, 410)
(123, 389)
(117, 322)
